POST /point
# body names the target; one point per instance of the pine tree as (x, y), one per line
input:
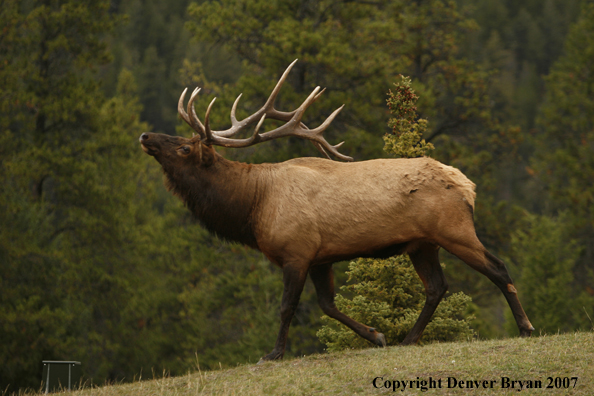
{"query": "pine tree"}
(70, 242)
(562, 167)
(545, 258)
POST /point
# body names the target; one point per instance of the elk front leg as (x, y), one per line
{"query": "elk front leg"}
(426, 263)
(294, 276)
(323, 280)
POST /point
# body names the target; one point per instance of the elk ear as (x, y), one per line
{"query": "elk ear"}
(207, 154)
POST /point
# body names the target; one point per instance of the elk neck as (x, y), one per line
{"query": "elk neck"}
(223, 196)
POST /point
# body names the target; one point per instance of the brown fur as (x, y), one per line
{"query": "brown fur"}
(305, 214)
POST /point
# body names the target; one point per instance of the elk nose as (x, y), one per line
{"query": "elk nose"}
(144, 137)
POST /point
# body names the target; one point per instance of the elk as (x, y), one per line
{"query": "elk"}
(307, 213)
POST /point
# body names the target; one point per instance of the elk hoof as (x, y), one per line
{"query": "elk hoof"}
(380, 340)
(526, 332)
(271, 356)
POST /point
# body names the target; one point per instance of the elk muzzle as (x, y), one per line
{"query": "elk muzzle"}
(148, 145)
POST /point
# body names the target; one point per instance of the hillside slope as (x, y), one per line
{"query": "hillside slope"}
(563, 362)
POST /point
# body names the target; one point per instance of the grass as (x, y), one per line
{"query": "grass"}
(352, 372)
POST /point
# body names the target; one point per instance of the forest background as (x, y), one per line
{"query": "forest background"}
(99, 263)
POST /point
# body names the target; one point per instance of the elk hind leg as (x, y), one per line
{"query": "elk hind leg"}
(426, 262)
(323, 280)
(472, 252)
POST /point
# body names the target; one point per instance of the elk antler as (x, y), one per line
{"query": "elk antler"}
(292, 127)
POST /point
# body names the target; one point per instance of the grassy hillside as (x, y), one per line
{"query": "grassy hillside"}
(470, 364)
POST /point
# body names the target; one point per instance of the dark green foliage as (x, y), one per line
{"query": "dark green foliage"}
(566, 123)
(522, 39)
(563, 165)
(546, 259)
(389, 296)
(58, 137)
(152, 44)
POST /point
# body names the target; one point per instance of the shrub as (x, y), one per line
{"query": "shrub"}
(389, 296)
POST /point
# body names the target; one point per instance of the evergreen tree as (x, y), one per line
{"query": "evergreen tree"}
(545, 259)
(71, 206)
(521, 39)
(563, 162)
(406, 140)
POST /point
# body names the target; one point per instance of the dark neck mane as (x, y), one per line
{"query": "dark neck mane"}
(222, 196)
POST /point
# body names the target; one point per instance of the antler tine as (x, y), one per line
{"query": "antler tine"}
(315, 135)
(323, 142)
(180, 107)
(259, 124)
(279, 84)
(325, 153)
(321, 149)
(320, 94)
(233, 109)
(235, 143)
(268, 109)
(195, 121)
(192, 120)
(207, 131)
(327, 121)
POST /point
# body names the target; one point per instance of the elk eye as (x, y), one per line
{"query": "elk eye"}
(185, 150)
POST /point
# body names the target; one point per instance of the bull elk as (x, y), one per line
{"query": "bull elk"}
(307, 213)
